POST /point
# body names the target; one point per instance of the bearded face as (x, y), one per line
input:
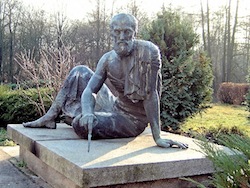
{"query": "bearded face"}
(123, 48)
(123, 38)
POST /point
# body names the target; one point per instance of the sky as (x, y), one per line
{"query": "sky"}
(77, 9)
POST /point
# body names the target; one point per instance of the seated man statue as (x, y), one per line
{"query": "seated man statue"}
(133, 67)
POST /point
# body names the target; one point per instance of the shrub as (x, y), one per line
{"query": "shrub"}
(232, 93)
(248, 100)
(187, 76)
(44, 75)
(231, 171)
(4, 140)
(248, 94)
(17, 106)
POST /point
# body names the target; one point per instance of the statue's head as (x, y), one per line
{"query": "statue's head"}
(123, 31)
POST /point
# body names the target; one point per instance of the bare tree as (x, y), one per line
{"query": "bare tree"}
(208, 32)
(134, 8)
(231, 44)
(2, 32)
(61, 24)
(219, 30)
(203, 26)
(99, 24)
(44, 73)
(224, 64)
(13, 12)
(246, 44)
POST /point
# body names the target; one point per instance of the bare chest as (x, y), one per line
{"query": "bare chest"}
(117, 70)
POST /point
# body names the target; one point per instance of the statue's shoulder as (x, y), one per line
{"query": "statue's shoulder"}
(146, 45)
(147, 51)
(109, 56)
(106, 58)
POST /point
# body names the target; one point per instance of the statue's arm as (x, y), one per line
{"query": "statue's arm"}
(88, 100)
(152, 107)
(94, 85)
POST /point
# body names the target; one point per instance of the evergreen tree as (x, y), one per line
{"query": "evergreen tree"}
(187, 75)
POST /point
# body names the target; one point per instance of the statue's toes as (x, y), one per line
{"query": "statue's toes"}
(28, 124)
(37, 124)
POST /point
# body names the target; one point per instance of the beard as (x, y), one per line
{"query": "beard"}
(123, 48)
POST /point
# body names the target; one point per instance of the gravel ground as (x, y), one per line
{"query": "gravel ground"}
(14, 174)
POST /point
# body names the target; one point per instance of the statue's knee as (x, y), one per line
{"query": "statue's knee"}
(80, 72)
(81, 69)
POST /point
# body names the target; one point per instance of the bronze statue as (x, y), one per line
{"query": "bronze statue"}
(134, 69)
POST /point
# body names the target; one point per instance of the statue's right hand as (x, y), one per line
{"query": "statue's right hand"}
(88, 119)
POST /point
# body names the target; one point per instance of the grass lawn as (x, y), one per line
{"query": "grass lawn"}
(219, 119)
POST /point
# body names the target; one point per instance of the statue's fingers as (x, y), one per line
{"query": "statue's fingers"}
(90, 120)
(82, 121)
(180, 145)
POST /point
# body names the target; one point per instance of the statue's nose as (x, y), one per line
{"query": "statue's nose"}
(122, 35)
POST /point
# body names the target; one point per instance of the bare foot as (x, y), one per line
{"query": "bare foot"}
(41, 123)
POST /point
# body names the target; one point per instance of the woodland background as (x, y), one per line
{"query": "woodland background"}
(26, 32)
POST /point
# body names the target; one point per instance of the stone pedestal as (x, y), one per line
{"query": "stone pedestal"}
(62, 159)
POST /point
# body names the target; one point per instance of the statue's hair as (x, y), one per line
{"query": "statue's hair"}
(124, 17)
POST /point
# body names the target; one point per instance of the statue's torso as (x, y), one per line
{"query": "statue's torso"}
(116, 73)
(131, 76)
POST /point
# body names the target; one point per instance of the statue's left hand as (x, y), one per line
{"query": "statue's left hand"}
(166, 143)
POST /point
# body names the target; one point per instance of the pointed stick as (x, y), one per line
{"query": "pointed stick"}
(89, 140)
(90, 126)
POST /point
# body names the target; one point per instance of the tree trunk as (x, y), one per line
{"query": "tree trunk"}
(231, 46)
(208, 33)
(224, 64)
(228, 56)
(203, 27)
(98, 34)
(10, 69)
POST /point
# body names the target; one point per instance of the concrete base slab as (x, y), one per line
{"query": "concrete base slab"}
(60, 154)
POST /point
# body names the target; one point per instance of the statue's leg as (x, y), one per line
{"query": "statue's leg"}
(111, 125)
(69, 94)
(48, 120)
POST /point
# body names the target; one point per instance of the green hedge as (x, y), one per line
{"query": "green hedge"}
(17, 106)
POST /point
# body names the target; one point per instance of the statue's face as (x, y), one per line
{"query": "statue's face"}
(123, 36)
